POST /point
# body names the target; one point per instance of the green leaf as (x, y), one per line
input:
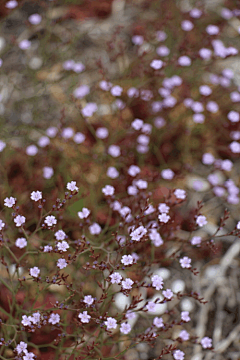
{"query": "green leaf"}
(77, 206)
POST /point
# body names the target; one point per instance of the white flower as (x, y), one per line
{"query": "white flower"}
(36, 195)
(185, 316)
(11, 5)
(141, 184)
(180, 194)
(84, 213)
(133, 169)
(54, 319)
(110, 323)
(95, 229)
(108, 190)
(21, 243)
(2, 224)
(61, 263)
(47, 248)
(125, 328)
(2, 145)
(184, 335)
(9, 202)
(163, 208)
(201, 220)
(168, 293)
(155, 237)
(157, 282)
(26, 320)
(21, 347)
(35, 271)
(114, 150)
(112, 172)
(36, 317)
(178, 355)
(84, 317)
(28, 356)
(72, 186)
(130, 315)
(138, 233)
(137, 125)
(88, 299)
(151, 306)
(158, 322)
(185, 262)
(206, 342)
(62, 246)
(115, 278)
(35, 19)
(50, 220)
(127, 260)
(19, 220)
(47, 172)
(60, 235)
(127, 284)
(196, 240)
(24, 44)
(164, 217)
(149, 210)
(156, 64)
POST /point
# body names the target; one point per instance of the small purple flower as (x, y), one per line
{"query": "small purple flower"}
(167, 174)
(205, 53)
(116, 90)
(102, 133)
(137, 39)
(78, 67)
(201, 220)
(79, 138)
(114, 150)
(156, 64)
(187, 25)
(95, 229)
(24, 44)
(184, 61)
(31, 150)
(68, 64)
(206, 342)
(185, 262)
(35, 19)
(178, 355)
(81, 91)
(125, 328)
(89, 109)
(195, 13)
(212, 29)
(163, 50)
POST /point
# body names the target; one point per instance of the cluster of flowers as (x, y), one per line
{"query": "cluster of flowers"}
(137, 234)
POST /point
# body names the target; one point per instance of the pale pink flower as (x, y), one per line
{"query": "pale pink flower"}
(19, 220)
(36, 195)
(35, 271)
(9, 202)
(84, 317)
(54, 319)
(125, 328)
(201, 220)
(110, 323)
(116, 278)
(206, 342)
(178, 355)
(185, 262)
(185, 316)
